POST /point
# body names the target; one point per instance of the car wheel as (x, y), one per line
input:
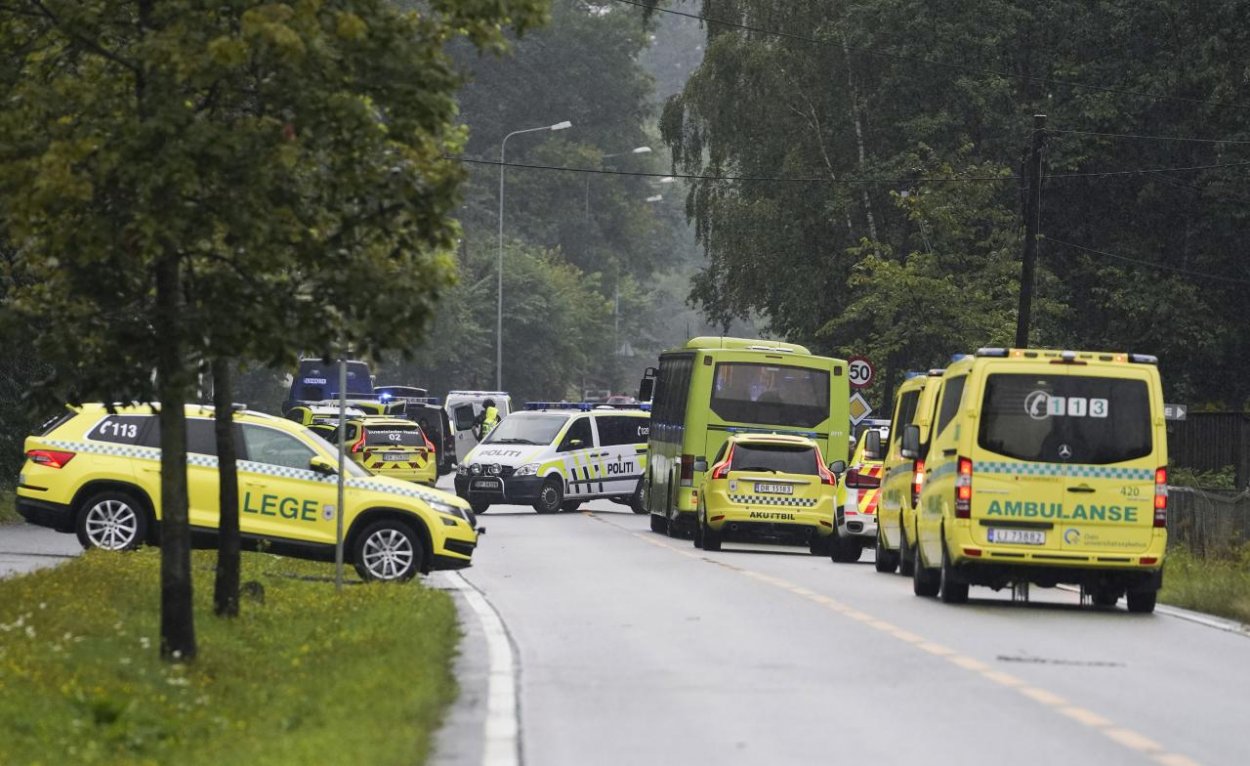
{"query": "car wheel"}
(479, 507)
(550, 497)
(697, 537)
(845, 550)
(887, 560)
(659, 524)
(387, 550)
(711, 537)
(1104, 596)
(1142, 601)
(570, 505)
(906, 555)
(113, 521)
(951, 587)
(822, 546)
(924, 581)
(635, 500)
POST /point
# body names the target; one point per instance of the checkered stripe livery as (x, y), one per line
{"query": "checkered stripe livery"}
(793, 502)
(1060, 469)
(109, 448)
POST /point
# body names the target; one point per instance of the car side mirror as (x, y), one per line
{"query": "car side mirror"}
(700, 465)
(838, 467)
(911, 442)
(323, 466)
(574, 444)
(872, 445)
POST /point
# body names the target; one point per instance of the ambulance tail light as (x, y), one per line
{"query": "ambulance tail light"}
(687, 470)
(359, 444)
(1161, 497)
(51, 458)
(917, 481)
(429, 445)
(826, 476)
(721, 469)
(963, 489)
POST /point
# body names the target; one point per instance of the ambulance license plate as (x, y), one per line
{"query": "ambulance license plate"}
(394, 457)
(774, 489)
(490, 485)
(1016, 536)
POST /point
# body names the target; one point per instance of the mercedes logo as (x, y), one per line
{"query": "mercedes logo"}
(1065, 451)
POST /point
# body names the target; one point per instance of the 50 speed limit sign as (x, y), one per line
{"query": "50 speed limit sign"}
(860, 372)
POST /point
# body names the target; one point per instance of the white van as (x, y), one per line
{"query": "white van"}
(555, 457)
(463, 407)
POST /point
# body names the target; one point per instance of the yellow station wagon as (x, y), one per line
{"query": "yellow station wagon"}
(97, 473)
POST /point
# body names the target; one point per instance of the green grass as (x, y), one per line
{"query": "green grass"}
(1218, 585)
(8, 509)
(309, 676)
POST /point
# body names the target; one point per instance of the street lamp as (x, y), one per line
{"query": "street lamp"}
(503, 147)
(586, 191)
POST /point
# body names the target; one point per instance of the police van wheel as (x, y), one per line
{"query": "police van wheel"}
(1142, 601)
(113, 521)
(659, 524)
(906, 556)
(924, 581)
(570, 506)
(635, 500)
(479, 507)
(951, 588)
(550, 497)
(887, 560)
(387, 550)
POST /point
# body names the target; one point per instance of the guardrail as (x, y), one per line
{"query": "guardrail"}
(1208, 522)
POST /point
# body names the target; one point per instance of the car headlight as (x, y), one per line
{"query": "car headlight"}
(529, 469)
(475, 469)
(493, 469)
(447, 508)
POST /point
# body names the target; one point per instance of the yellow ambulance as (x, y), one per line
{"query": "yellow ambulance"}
(1045, 467)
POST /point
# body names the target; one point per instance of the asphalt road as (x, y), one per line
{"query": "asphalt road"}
(24, 548)
(637, 648)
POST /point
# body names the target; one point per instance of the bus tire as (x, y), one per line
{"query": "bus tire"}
(659, 524)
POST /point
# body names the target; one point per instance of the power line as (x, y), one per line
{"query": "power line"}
(932, 62)
(847, 181)
(1151, 138)
(1139, 262)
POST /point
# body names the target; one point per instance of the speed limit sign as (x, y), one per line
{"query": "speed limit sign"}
(860, 372)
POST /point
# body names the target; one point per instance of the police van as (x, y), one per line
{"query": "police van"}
(1045, 467)
(557, 455)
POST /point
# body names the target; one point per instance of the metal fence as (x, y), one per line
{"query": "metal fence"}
(1210, 441)
(1208, 522)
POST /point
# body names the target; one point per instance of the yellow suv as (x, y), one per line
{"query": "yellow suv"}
(767, 488)
(384, 446)
(1045, 467)
(98, 474)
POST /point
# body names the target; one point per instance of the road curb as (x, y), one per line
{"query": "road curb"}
(1198, 618)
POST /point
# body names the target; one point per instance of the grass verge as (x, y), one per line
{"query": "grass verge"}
(307, 676)
(8, 505)
(1218, 585)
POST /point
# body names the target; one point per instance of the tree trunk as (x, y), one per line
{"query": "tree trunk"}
(172, 385)
(859, 140)
(226, 587)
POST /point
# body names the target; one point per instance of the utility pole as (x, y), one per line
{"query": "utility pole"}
(1032, 221)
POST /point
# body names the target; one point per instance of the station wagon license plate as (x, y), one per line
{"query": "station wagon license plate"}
(392, 457)
(774, 489)
(1016, 536)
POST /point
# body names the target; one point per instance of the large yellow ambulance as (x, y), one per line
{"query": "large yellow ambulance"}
(1045, 467)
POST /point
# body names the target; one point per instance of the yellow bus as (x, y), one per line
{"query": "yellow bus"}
(714, 387)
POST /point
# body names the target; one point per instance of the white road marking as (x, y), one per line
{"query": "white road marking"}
(503, 725)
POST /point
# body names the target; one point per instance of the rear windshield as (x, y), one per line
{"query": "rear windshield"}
(1066, 418)
(526, 428)
(394, 436)
(771, 394)
(778, 458)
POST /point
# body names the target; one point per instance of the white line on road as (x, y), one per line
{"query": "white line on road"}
(503, 726)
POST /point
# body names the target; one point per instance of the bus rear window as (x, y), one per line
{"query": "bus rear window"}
(1066, 418)
(769, 394)
(780, 458)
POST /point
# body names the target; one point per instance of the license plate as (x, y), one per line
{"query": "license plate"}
(1017, 536)
(489, 484)
(393, 457)
(774, 489)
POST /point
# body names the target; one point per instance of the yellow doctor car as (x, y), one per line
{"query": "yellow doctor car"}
(385, 446)
(769, 488)
(97, 473)
(1045, 467)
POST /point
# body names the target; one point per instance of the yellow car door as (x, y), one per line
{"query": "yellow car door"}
(281, 496)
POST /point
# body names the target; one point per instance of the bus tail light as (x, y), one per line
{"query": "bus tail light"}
(687, 470)
(721, 469)
(963, 489)
(917, 481)
(1161, 497)
(51, 458)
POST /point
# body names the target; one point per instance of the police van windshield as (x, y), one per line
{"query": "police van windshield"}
(776, 458)
(773, 394)
(394, 436)
(527, 428)
(316, 381)
(1066, 418)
